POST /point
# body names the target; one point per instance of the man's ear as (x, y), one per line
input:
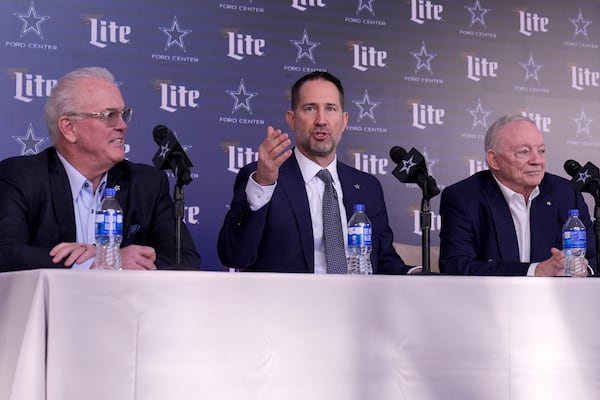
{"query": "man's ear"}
(66, 129)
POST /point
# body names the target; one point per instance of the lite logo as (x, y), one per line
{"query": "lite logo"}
(29, 86)
(531, 22)
(426, 114)
(476, 166)
(190, 215)
(368, 56)
(103, 32)
(173, 97)
(240, 156)
(370, 164)
(582, 77)
(423, 10)
(241, 45)
(302, 5)
(478, 68)
(542, 123)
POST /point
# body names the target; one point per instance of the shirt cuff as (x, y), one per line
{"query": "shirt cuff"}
(258, 196)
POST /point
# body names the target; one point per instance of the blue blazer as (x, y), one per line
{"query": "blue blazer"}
(36, 211)
(478, 235)
(278, 237)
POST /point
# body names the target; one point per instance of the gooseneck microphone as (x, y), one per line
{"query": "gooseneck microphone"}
(171, 155)
(412, 168)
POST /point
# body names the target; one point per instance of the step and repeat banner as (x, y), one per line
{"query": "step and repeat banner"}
(428, 74)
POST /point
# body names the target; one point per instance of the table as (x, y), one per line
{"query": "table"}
(213, 335)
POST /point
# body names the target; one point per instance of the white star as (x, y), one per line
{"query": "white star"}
(584, 176)
(366, 104)
(30, 144)
(477, 13)
(479, 115)
(580, 25)
(242, 98)
(31, 21)
(175, 35)
(365, 5)
(407, 165)
(583, 124)
(531, 69)
(164, 150)
(305, 47)
(423, 59)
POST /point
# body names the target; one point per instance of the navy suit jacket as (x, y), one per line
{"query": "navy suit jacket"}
(478, 235)
(278, 237)
(37, 213)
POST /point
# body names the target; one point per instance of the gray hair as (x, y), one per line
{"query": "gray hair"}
(62, 99)
(491, 136)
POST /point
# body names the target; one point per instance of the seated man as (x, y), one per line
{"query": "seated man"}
(48, 200)
(508, 220)
(276, 219)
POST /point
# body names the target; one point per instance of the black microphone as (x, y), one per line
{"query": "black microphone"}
(412, 168)
(586, 178)
(170, 155)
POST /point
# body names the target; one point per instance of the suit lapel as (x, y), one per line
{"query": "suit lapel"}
(508, 245)
(292, 184)
(62, 200)
(117, 179)
(350, 188)
(543, 212)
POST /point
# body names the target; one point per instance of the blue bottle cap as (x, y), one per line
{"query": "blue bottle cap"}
(574, 213)
(109, 192)
(359, 207)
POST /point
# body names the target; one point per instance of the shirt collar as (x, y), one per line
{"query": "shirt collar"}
(76, 179)
(309, 168)
(509, 193)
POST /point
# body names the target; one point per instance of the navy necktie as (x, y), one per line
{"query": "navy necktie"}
(333, 236)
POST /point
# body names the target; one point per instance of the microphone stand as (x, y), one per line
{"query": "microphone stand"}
(178, 198)
(425, 234)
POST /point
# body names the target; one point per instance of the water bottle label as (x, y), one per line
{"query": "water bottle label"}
(359, 236)
(574, 239)
(109, 222)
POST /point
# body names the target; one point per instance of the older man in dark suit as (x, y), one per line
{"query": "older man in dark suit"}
(507, 220)
(48, 201)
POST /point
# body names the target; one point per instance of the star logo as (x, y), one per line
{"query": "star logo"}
(31, 21)
(584, 176)
(531, 69)
(164, 150)
(477, 14)
(117, 188)
(407, 165)
(583, 124)
(365, 5)
(30, 144)
(580, 26)
(305, 47)
(242, 98)
(423, 59)
(175, 35)
(366, 107)
(479, 115)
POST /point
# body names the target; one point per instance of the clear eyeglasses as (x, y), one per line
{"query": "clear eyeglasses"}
(110, 116)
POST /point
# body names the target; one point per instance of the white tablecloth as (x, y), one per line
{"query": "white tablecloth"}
(170, 335)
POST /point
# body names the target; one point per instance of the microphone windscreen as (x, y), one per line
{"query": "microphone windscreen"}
(572, 167)
(397, 153)
(160, 133)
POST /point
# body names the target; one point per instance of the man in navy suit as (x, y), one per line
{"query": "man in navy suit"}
(507, 220)
(48, 201)
(275, 219)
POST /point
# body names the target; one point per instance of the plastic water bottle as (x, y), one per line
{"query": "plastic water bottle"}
(359, 242)
(109, 232)
(574, 245)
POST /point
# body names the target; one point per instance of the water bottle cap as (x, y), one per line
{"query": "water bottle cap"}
(109, 192)
(359, 207)
(574, 213)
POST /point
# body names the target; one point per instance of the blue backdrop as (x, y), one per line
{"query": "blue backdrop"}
(429, 74)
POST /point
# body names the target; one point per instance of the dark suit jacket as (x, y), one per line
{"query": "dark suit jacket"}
(478, 236)
(36, 211)
(278, 237)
